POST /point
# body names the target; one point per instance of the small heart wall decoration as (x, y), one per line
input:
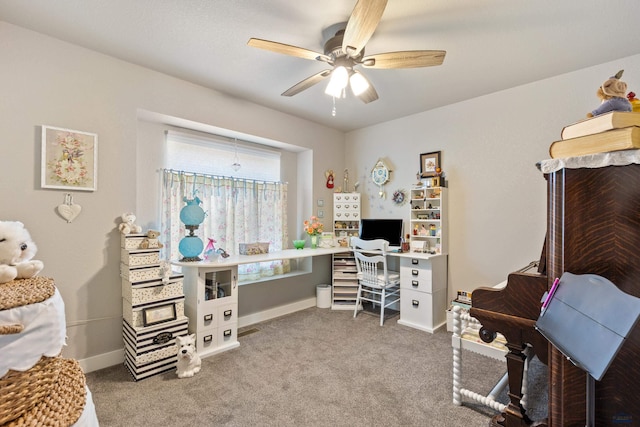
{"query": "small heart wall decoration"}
(69, 210)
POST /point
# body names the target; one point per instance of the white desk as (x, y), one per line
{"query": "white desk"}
(213, 316)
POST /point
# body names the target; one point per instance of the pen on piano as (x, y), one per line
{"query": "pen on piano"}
(552, 291)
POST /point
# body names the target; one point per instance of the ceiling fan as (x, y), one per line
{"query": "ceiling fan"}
(345, 50)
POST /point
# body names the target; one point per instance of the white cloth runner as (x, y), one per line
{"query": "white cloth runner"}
(614, 158)
(44, 334)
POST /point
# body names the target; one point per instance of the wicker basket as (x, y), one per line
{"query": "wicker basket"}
(51, 393)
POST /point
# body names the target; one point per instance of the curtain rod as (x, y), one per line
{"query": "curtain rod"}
(204, 175)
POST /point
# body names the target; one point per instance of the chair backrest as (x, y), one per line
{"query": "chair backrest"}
(369, 245)
(371, 257)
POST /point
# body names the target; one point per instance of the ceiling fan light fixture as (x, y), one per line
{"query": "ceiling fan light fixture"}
(358, 83)
(339, 80)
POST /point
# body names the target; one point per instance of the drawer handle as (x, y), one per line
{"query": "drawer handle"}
(414, 272)
(414, 283)
(415, 261)
(208, 317)
(415, 302)
(208, 338)
(227, 333)
(227, 313)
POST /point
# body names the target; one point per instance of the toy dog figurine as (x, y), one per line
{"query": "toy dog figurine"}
(188, 360)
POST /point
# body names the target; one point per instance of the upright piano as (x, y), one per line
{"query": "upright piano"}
(593, 227)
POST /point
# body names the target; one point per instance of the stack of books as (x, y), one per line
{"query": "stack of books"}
(463, 299)
(608, 132)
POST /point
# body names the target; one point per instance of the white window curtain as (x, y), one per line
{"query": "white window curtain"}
(237, 211)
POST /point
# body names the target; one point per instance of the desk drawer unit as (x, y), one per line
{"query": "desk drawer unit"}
(421, 310)
(217, 315)
(217, 339)
(423, 294)
(217, 328)
(416, 274)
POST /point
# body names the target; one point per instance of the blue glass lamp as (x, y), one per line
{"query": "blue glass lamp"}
(192, 215)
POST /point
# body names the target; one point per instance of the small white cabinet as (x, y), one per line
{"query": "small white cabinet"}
(211, 304)
(423, 292)
(346, 214)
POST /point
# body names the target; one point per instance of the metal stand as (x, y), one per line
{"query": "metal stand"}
(591, 401)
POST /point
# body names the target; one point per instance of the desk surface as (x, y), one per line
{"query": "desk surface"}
(288, 254)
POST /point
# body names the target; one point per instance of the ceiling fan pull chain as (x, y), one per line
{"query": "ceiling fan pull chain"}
(333, 112)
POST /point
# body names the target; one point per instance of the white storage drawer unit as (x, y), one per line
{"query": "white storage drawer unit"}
(416, 274)
(212, 340)
(217, 315)
(211, 303)
(423, 292)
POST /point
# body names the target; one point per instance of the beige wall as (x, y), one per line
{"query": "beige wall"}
(44, 81)
(489, 145)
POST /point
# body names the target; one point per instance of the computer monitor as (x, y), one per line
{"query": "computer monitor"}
(387, 229)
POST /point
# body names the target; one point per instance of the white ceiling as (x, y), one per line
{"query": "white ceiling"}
(491, 45)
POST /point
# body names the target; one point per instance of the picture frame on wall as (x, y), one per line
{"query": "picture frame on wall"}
(429, 162)
(159, 314)
(69, 159)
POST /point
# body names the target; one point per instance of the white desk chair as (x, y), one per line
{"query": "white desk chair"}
(376, 283)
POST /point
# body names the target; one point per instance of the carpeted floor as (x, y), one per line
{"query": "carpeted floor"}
(316, 367)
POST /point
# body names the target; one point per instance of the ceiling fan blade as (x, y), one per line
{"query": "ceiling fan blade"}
(362, 23)
(404, 59)
(307, 83)
(287, 49)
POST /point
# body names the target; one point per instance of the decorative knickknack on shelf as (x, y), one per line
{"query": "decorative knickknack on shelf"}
(192, 215)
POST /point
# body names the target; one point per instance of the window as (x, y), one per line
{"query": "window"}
(210, 156)
(245, 208)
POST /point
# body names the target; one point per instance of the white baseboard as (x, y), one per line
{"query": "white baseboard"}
(116, 357)
(272, 313)
(101, 361)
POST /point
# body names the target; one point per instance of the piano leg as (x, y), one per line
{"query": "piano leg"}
(514, 414)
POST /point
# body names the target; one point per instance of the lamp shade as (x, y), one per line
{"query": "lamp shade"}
(358, 83)
(339, 80)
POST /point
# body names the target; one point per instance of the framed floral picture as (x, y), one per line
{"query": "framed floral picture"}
(69, 159)
(429, 162)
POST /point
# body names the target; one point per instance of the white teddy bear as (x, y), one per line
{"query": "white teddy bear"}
(128, 225)
(16, 251)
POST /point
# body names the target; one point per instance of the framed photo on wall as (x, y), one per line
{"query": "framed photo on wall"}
(69, 159)
(428, 164)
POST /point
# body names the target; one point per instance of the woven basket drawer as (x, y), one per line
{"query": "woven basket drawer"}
(140, 274)
(140, 295)
(131, 241)
(135, 259)
(135, 317)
